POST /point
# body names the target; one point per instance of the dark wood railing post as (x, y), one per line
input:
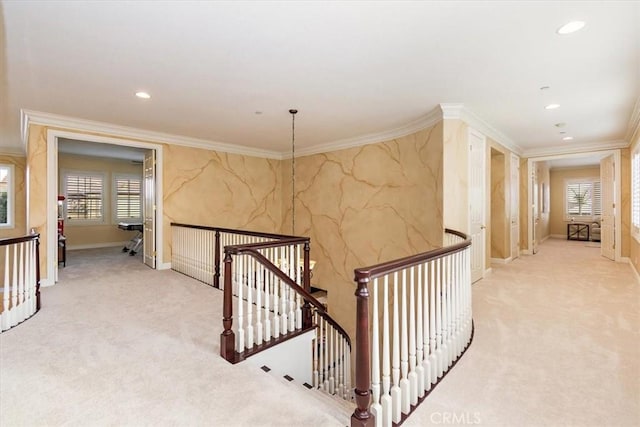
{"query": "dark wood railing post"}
(307, 319)
(216, 275)
(37, 272)
(361, 416)
(227, 337)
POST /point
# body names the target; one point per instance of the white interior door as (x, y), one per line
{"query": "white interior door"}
(149, 241)
(535, 213)
(607, 222)
(477, 192)
(515, 206)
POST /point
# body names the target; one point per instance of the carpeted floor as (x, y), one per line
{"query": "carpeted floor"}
(557, 342)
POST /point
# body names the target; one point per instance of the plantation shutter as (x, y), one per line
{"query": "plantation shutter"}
(84, 196)
(128, 198)
(584, 198)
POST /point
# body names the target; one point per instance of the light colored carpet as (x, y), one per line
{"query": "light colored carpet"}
(557, 343)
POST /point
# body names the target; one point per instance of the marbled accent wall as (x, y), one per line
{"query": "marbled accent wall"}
(625, 202)
(455, 179)
(36, 173)
(499, 231)
(524, 205)
(544, 181)
(218, 189)
(20, 196)
(365, 205)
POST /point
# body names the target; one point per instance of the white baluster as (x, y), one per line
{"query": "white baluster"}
(426, 329)
(395, 366)
(21, 314)
(267, 298)
(276, 304)
(322, 344)
(404, 349)
(438, 304)
(6, 292)
(332, 369)
(419, 333)
(259, 287)
(14, 287)
(250, 287)
(386, 360)
(376, 408)
(241, 336)
(316, 353)
(413, 376)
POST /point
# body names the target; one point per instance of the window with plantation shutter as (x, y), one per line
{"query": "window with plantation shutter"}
(84, 196)
(583, 199)
(128, 197)
(6, 195)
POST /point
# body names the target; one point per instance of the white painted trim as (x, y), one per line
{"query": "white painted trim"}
(12, 151)
(11, 197)
(96, 245)
(424, 122)
(525, 252)
(633, 127)
(583, 148)
(544, 239)
(163, 265)
(501, 260)
(29, 117)
(487, 271)
(52, 187)
(459, 111)
(45, 282)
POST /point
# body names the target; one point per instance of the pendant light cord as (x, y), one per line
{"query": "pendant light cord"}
(293, 171)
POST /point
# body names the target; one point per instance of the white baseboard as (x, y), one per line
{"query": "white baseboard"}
(96, 245)
(487, 271)
(524, 252)
(501, 260)
(163, 266)
(635, 272)
(545, 238)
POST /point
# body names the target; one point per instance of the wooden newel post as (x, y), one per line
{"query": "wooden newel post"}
(227, 337)
(216, 275)
(361, 416)
(38, 272)
(306, 279)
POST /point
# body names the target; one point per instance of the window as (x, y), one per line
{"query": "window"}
(128, 197)
(85, 196)
(6, 195)
(583, 198)
(635, 193)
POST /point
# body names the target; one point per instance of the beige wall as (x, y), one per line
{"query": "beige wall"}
(20, 196)
(498, 195)
(107, 232)
(634, 245)
(365, 205)
(455, 169)
(558, 223)
(524, 204)
(625, 205)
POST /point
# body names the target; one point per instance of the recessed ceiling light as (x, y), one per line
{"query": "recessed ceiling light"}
(562, 132)
(545, 88)
(143, 95)
(552, 106)
(567, 138)
(570, 27)
(257, 113)
(560, 125)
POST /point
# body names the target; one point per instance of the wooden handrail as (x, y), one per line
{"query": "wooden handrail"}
(14, 240)
(234, 231)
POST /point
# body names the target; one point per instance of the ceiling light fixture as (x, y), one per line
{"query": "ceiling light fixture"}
(560, 125)
(552, 106)
(545, 88)
(143, 95)
(570, 27)
(293, 170)
(567, 138)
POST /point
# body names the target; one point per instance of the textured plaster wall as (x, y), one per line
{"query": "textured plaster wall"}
(499, 232)
(20, 196)
(365, 205)
(455, 175)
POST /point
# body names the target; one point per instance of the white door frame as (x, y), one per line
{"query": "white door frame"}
(618, 191)
(52, 193)
(483, 199)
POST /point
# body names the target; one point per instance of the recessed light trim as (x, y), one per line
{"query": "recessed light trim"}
(143, 95)
(570, 27)
(567, 138)
(552, 106)
(560, 125)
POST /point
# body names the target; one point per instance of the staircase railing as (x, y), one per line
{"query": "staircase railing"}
(266, 279)
(20, 270)
(419, 327)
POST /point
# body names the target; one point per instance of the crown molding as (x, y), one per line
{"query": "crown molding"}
(459, 111)
(426, 121)
(633, 127)
(12, 151)
(576, 149)
(28, 117)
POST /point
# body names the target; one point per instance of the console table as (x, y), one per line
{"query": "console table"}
(577, 231)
